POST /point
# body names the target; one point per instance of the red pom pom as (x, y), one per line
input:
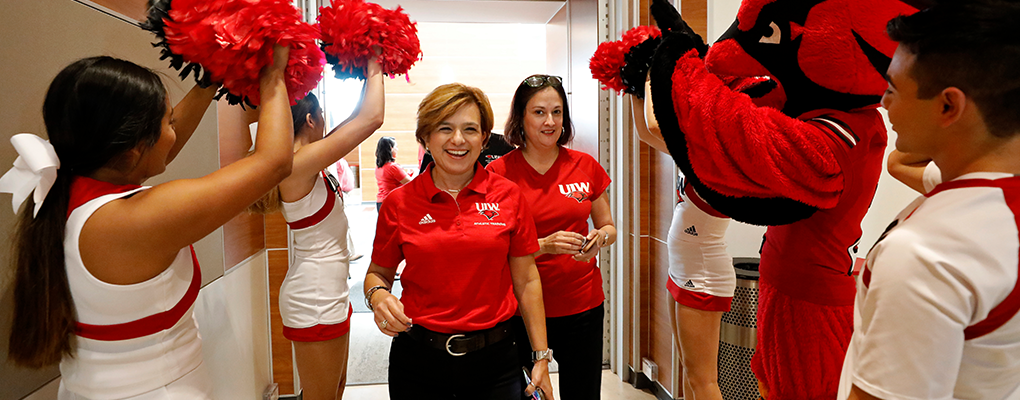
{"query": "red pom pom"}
(610, 57)
(351, 27)
(606, 63)
(639, 34)
(233, 40)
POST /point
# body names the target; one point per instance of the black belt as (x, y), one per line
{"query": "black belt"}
(458, 344)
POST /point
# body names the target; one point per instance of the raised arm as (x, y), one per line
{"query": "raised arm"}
(131, 240)
(187, 114)
(644, 121)
(908, 168)
(316, 156)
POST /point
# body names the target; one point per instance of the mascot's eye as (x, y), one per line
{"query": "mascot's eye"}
(774, 37)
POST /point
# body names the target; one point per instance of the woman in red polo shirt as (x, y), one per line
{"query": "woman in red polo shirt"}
(564, 188)
(388, 174)
(468, 238)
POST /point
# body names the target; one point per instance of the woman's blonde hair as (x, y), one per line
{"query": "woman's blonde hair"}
(444, 101)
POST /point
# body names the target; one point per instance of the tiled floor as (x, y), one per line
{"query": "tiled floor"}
(612, 389)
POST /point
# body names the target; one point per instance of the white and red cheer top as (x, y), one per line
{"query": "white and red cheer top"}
(131, 339)
(937, 300)
(314, 296)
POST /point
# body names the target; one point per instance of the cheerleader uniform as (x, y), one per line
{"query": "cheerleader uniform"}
(314, 299)
(137, 341)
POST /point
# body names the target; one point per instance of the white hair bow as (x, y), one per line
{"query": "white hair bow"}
(34, 170)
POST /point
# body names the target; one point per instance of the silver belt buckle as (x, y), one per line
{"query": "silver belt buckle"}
(448, 345)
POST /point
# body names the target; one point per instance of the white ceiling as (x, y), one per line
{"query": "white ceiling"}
(481, 11)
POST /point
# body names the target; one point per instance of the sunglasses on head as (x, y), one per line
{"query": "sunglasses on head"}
(539, 80)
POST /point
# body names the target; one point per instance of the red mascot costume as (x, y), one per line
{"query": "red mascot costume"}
(776, 124)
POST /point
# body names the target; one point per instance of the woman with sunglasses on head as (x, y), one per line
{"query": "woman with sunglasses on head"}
(468, 238)
(564, 188)
(314, 296)
(106, 277)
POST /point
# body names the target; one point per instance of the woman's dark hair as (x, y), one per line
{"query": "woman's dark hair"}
(514, 128)
(304, 107)
(973, 46)
(96, 109)
(384, 151)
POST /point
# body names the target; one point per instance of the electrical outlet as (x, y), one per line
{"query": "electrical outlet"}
(272, 392)
(650, 369)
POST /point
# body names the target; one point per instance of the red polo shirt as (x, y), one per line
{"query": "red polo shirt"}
(561, 201)
(457, 277)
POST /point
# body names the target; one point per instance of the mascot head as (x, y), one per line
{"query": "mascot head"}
(802, 55)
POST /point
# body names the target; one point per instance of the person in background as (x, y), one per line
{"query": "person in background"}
(388, 174)
(468, 238)
(314, 296)
(936, 303)
(564, 188)
(106, 278)
(496, 148)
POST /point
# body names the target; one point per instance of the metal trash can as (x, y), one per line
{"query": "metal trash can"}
(737, 335)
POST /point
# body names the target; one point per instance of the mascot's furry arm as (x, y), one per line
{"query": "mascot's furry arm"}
(754, 164)
(758, 124)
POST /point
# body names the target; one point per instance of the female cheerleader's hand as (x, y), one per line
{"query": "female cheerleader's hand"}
(561, 242)
(389, 313)
(540, 379)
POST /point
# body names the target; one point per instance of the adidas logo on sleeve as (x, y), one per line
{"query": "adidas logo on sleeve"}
(427, 219)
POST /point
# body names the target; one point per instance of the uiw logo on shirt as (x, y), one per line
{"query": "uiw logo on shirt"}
(577, 191)
(488, 210)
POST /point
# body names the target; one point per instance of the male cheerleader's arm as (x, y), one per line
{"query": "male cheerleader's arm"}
(908, 168)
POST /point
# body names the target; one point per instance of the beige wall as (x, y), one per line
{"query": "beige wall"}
(492, 57)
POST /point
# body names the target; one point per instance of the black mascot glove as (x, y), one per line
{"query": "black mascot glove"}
(639, 60)
(675, 30)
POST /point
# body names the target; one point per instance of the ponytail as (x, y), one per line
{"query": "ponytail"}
(44, 316)
(95, 110)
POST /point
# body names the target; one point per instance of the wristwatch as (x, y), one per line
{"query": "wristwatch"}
(541, 355)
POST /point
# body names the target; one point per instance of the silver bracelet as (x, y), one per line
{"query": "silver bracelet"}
(368, 295)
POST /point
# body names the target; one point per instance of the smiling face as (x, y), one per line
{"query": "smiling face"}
(543, 119)
(456, 143)
(912, 118)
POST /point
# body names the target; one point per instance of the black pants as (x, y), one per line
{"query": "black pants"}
(576, 341)
(418, 371)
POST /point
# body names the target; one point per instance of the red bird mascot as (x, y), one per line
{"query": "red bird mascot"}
(776, 124)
